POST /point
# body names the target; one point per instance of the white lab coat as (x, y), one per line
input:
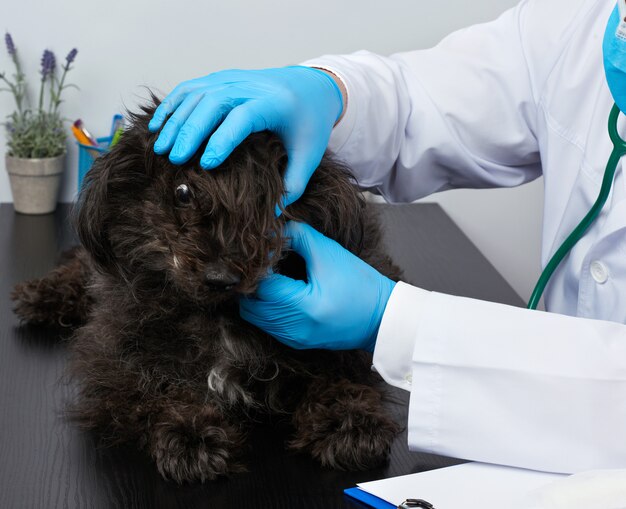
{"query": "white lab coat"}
(495, 105)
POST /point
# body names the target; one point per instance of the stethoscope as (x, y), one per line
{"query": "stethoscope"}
(619, 150)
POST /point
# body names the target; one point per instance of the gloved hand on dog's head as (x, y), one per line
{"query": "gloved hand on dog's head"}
(339, 308)
(300, 104)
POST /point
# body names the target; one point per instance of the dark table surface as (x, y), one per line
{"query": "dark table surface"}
(45, 462)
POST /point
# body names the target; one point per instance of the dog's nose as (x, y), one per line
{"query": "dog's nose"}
(219, 277)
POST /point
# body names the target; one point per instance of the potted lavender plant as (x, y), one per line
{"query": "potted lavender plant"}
(36, 141)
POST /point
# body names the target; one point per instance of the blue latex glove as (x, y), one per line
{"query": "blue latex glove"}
(339, 308)
(614, 52)
(300, 104)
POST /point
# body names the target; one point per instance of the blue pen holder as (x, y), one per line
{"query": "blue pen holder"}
(87, 154)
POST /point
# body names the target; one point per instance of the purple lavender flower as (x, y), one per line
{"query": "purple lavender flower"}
(48, 63)
(70, 57)
(10, 128)
(10, 44)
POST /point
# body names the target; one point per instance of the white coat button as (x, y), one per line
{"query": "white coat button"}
(409, 378)
(599, 272)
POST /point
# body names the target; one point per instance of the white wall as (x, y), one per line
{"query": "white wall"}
(124, 46)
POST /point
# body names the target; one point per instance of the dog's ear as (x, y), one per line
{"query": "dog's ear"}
(115, 180)
(333, 205)
(91, 216)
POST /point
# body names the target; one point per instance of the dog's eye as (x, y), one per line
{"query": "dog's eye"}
(183, 195)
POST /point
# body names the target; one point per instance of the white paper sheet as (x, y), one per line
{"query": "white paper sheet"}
(467, 486)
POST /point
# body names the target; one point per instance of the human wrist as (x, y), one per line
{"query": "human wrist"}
(341, 88)
(386, 289)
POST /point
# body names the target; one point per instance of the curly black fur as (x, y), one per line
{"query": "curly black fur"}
(162, 356)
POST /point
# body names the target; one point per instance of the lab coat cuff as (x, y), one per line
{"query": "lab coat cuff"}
(398, 333)
(345, 127)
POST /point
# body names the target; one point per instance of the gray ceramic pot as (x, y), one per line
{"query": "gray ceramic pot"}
(35, 183)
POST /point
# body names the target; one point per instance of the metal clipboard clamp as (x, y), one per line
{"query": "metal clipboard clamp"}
(415, 502)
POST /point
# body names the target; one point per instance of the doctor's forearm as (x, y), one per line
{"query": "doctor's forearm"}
(424, 121)
(499, 384)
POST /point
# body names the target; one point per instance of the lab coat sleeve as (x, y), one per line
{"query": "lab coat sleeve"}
(506, 385)
(461, 114)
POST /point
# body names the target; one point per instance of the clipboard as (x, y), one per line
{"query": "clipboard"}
(450, 488)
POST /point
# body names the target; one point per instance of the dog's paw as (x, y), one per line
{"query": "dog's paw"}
(60, 297)
(341, 445)
(195, 449)
(346, 433)
(35, 303)
(50, 301)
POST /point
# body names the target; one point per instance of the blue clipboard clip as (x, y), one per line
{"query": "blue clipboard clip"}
(378, 503)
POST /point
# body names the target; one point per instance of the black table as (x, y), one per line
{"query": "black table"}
(45, 462)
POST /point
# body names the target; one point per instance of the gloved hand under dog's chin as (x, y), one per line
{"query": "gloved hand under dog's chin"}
(339, 308)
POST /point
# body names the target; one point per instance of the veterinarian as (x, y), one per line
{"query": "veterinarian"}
(494, 105)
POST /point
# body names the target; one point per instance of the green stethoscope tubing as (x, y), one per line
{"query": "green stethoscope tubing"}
(619, 150)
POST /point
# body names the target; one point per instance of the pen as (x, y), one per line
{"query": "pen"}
(82, 135)
(116, 124)
(116, 137)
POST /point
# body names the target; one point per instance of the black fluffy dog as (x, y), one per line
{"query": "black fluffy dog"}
(161, 355)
